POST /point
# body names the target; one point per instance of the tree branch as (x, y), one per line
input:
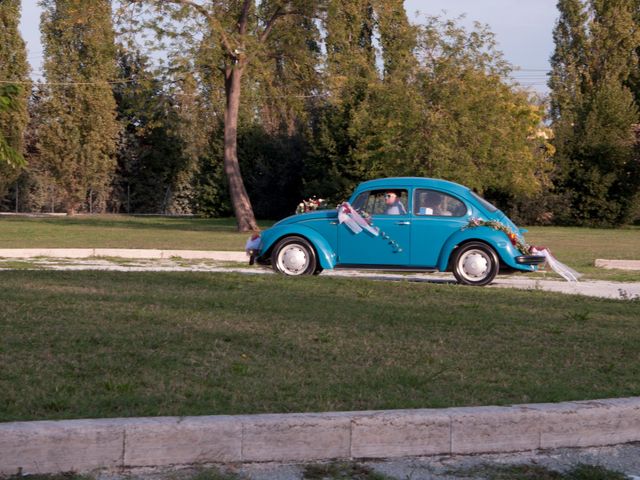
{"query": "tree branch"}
(213, 21)
(276, 15)
(242, 24)
(267, 29)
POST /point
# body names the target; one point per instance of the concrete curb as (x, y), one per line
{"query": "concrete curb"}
(618, 264)
(122, 253)
(85, 445)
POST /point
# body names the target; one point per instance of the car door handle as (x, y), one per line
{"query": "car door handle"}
(333, 223)
(403, 223)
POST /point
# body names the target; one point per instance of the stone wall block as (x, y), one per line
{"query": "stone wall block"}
(167, 441)
(595, 423)
(494, 429)
(60, 446)
(295, 437)
(400, 433)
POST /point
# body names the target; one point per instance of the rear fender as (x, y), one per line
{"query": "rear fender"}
(326, 255)
(496, 239)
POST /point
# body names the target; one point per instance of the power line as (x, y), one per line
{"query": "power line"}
(115, 82)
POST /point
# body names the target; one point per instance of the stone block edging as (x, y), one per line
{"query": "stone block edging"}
(618, 264)
(85, 445)
(130, 253)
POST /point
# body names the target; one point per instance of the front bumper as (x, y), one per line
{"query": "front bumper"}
(531, 259)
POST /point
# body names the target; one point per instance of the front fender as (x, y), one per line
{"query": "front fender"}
(496, 239)
(326, 254)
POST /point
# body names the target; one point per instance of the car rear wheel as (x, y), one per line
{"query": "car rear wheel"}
(475, 263)
(294, 256)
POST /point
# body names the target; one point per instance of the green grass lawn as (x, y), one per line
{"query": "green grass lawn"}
(96, 344)
(121, 231)
(577, 247)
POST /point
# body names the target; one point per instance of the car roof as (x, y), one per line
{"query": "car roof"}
(420, 182)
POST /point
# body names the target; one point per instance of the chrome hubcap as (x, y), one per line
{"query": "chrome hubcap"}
(475, 265)
(293, 259)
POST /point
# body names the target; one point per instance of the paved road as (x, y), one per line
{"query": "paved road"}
(621, 458)
(592, 288)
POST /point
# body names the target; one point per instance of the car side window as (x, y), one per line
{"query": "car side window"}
(434, 203)
(383, 202)
(360, 201)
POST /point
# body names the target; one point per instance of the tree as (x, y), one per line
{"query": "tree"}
(79, 130)
(398, 40)
(236, 32)
(193, 138)
(593, 109)
(8, 153)
(13, 96)
(455, 118)
(569, 60)
(284, 85)
(568, 85)
(351, 72)
(161, 140)
(605, 175)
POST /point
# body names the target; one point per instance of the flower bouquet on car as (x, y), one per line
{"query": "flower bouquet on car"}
(311, 204)
(552, 262)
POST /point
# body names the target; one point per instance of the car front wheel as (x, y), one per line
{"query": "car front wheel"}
(294, 256)
(476, 264)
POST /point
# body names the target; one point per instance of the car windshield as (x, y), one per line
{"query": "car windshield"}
(484, 203)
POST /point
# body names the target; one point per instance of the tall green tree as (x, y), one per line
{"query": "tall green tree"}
(149, 147)
(193, 137)
(351, 73)
(398, 40)
(79, 131)
(236, 33)
(13, 97)
(281, 88)
(593, 109)
(568, 82)
(9, 155)
(568, 78)
(456, 118)
(435, 101)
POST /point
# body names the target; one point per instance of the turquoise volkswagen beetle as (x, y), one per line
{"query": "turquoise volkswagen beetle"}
(400, 224)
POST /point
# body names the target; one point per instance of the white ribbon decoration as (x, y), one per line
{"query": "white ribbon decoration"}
(354, 221)
(569, 274)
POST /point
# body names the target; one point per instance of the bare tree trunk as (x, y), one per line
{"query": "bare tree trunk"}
(240, 200)
(71, 206)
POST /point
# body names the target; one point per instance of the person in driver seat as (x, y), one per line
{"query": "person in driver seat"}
(393, 204)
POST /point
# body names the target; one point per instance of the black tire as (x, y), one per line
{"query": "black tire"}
(294, 256)
(475, 263)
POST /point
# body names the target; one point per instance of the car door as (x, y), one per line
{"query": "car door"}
(436, 216)
(392, 247)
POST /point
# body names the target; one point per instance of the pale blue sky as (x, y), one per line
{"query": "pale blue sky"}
(522, 27)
